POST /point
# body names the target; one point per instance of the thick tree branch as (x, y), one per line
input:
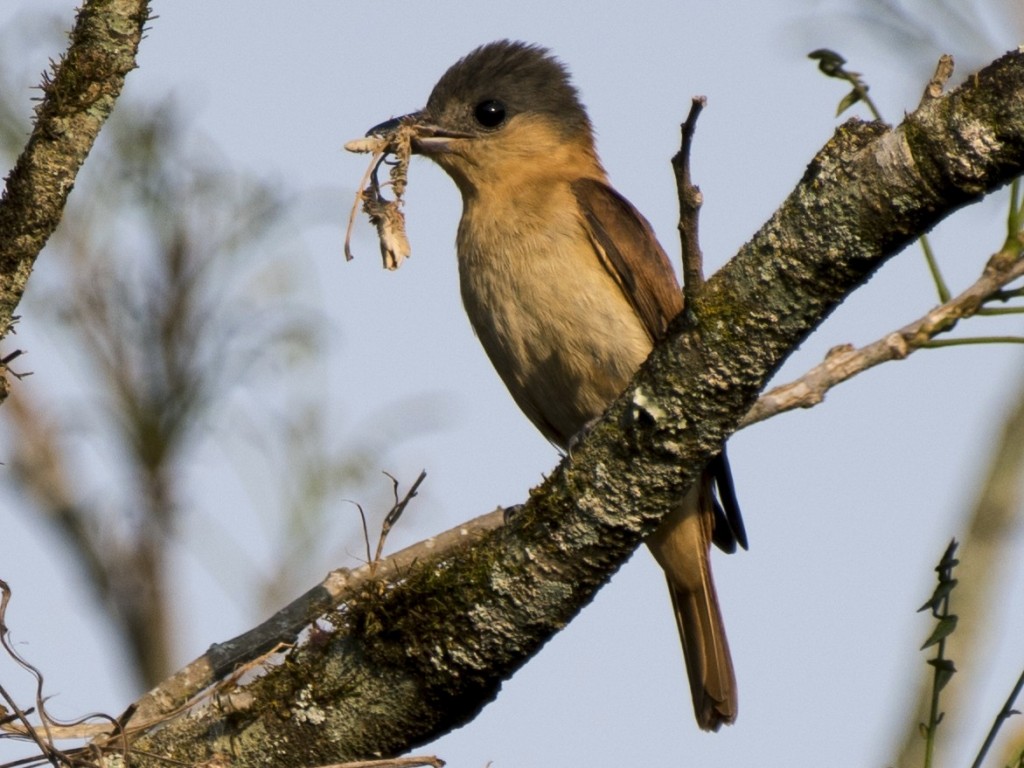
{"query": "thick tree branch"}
(76, 102)
(287, 625)
(397, 663)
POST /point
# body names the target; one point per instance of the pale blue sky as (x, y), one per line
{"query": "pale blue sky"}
(847, 506)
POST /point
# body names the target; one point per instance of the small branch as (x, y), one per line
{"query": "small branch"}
(942, 666)
(933, 268)
(831, 64)
(690, 201)
(936, 343)
(1004, 714)
(396, 511)
(77, 100)
(286, 625)
(844, 362)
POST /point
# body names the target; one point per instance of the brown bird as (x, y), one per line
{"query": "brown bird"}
(568, 289)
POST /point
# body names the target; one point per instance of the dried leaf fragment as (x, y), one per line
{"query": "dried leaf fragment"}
(386, 215)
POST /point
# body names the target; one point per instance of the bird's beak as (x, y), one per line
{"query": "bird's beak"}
(428, 138)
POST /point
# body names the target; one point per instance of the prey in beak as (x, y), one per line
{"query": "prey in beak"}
(392, 143)
(391, 139)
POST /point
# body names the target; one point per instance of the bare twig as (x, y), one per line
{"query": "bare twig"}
(366, 529)
(77, 99)
(845, 362)
(49, 729)
(396, 511)
(1004, 714)
(44, 740)
(690, 201)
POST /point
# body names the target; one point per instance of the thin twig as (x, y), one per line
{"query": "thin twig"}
(1004, 714)
(690, 201)
(43, 740)
(845, 362)
(935, 343)
(396, 511)
(366, 528)
(943, 667)
(1014, 218)
(933, 268)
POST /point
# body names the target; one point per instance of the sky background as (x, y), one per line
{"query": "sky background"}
(848, 506)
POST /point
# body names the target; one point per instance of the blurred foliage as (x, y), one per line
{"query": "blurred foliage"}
(974, 28)
(184, 394)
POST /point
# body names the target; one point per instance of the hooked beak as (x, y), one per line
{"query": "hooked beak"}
(428, 138)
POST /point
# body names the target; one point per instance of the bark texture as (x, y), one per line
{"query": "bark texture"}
(77, 99)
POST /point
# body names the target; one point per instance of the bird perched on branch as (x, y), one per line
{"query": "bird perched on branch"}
(568, 290)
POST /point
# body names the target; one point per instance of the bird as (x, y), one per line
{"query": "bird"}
(568, 290)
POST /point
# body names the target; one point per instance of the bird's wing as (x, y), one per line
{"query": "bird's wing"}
(631, 253)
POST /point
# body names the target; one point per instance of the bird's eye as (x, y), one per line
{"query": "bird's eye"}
(490, 113)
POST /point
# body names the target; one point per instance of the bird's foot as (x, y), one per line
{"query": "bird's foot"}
(510, 512)
(580, 436)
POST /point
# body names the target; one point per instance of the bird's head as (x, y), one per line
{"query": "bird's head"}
(504, 110)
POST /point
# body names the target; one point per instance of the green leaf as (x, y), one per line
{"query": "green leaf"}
(942, 630)
(848, 101)
(941, 593)
(829, 62)
(944, 671)
(948, 561)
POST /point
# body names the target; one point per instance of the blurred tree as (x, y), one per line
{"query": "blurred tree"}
(171, 290)
(164, 309)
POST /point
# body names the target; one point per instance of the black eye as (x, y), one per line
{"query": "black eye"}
(490, 113)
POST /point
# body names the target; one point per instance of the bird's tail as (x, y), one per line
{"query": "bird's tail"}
(706, 650)
(681, 545)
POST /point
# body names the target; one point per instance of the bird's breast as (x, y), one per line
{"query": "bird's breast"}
(556, 326)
